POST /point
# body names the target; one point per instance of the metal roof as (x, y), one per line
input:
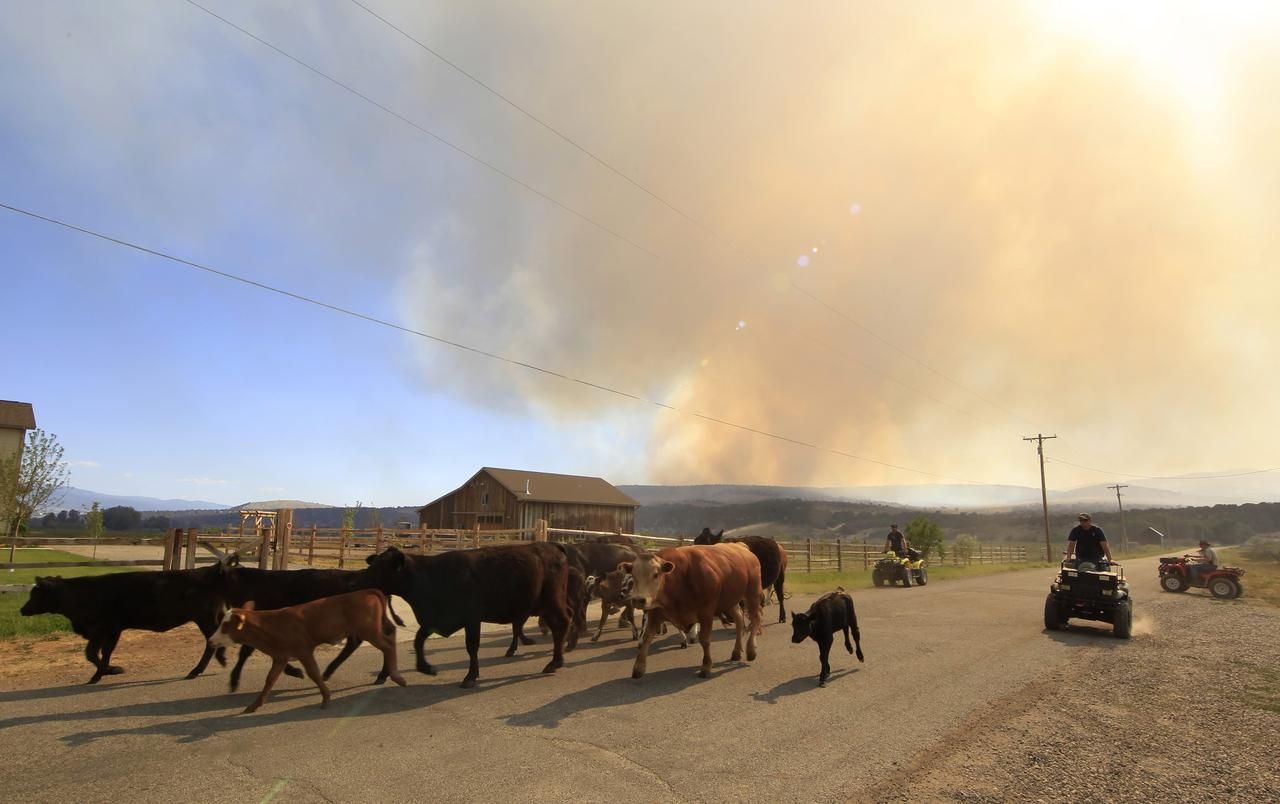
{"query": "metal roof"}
(17, 415)
(553, 488)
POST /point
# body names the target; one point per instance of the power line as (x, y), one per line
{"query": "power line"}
(531, 116)
(465, 347)
(1164, 477)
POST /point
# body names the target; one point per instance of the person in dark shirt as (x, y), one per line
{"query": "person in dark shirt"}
(1087, 542)
(896, 542)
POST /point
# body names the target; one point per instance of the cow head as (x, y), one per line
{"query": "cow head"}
(46, 597)
(387, 571)
(648, 573)
(801, 627)
(229, 624)
(707, 537)
(614, 587)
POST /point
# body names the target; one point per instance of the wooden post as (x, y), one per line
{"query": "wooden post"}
(311, 548)
(866, 560)
(283, 538)
(540, 533)
(168, 549)
(377, 540)
(475, 535)
(191, 549)
(808, 555)
(839, 557)
(342, 548)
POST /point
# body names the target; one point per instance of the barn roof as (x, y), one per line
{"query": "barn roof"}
(17, 415)
(554, 488)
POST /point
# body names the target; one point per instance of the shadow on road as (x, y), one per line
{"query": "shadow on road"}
(617, 692)
(796, 686)
(1084, 635)
(82, 689)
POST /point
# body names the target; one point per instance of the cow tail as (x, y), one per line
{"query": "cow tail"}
(853, 625)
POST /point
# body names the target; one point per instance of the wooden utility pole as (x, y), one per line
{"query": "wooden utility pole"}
(1124, 532)
(1040, 438)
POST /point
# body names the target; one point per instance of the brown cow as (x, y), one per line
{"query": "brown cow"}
(687, 585)
(294, 633)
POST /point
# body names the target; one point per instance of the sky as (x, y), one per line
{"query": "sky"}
(905, 235)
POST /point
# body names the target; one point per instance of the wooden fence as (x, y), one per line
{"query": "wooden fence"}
(285, 546)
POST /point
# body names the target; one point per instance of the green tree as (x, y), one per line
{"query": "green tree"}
(375, 517)
(33, 481)
(925, 535)
(964, 546)
(349, 515)
(93, 524)
(121, 517)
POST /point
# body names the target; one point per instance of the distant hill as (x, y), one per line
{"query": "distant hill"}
(82, 500)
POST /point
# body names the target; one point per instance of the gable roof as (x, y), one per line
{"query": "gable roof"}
(17, 415)
(553, 488)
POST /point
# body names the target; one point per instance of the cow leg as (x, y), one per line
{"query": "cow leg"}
(473, 651)
(91, 652)
(604, 618)
(652, 624)
(778, 590)
(560, 620)
(824, 653)
(517, 636)
(109, 647)
(313, 672)
(343, 655)
(542, 629)
(635, 632)
(704, 638)
(221, 655)
(738, 628)
(848, 645)
(754, 627)
(245, 652)
(423, 665)
(277, 667)
(387, 644)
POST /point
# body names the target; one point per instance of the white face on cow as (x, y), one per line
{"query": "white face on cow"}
(227, 622)
(647, 576)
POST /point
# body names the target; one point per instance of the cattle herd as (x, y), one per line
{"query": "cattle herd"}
(286, 614)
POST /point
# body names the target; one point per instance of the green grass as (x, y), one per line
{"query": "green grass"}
(1261, 578)
(14, 624)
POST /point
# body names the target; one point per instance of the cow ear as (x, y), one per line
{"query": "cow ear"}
(233, 560)
(667, 567)
(248, 606)
(625, 567)
(720, 535)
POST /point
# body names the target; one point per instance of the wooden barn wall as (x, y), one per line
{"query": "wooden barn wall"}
(573, 516)
(462, 508)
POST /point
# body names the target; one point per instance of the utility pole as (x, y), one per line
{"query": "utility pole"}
(1124, 532)
(1039, 438)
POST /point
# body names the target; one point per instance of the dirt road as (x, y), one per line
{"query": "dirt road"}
(963, 697)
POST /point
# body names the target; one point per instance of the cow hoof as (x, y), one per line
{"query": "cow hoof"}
(510, 652)
(637, 673)
(751, 655)
(426, 669)
(324, 704)
(292, 672)
(468, 683)
(735, 657)
(193, 674)
(704, 673)
(113, 670)
(552, 666)
(250, 709)
(94, 680)
(822, 682)
(379, 681)
(595, 638)
(524, 640)
(399, 679)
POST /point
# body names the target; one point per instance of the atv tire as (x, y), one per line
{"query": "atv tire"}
(923, 579)
(877, 578)
(1053, 620)
(1122, 619)
(1173, 582)
(1224, 588)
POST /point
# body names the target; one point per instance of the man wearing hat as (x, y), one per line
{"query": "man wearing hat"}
(1208, 560)
(1087, 541)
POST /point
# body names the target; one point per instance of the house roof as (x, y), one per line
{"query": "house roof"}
(549, 487)
(17, 415)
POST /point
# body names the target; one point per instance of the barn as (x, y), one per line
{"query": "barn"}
(500, 499)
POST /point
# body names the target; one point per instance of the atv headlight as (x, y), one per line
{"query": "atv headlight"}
(1064, 587)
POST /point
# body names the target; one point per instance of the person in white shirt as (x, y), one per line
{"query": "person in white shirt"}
(1208, 560)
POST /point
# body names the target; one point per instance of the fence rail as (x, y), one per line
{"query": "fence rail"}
(281, 548)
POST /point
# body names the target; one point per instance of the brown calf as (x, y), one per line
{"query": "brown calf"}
(294, 633)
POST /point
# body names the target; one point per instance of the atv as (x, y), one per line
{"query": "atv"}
(1222, 582)
(910, 570)
(1090, 591)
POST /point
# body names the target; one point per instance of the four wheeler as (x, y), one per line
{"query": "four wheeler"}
(1222, 582)
(910, 570)
(1089, 591)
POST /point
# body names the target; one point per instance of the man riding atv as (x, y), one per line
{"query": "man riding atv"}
(895, 542)
(1208, 561)
(1087, 543)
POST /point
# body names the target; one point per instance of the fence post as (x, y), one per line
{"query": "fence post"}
(540, 534)
(866, 561)
(422, 538)
(377, 540)
(168, 549)
(342, 548)
(311, 548)
(191, 549)
(839, 557)
(283, 531)
(808, 555)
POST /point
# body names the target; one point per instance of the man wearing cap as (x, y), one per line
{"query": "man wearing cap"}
(1087, 542)
(1208, 560)
(896, 542)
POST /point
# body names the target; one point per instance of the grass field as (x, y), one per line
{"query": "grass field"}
(11, 622)
(1261, 579)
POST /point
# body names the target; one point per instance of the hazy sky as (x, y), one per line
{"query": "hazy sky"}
(1060, 215)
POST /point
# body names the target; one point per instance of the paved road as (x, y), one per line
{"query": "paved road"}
(940, 660)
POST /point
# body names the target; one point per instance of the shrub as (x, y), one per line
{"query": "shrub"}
(1262, 548)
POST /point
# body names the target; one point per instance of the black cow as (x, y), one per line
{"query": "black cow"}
(772, 558)
(463, 588)
(278, 589)
(596, 560)
(830, 613)
(100, 607)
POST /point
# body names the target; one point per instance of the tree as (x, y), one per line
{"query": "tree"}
(349, 516)
(49, 520)
(964, 546)
(31, 481)
(93, 523)
(156, 523)
(375, 518)
(121, 517)
(925, 535)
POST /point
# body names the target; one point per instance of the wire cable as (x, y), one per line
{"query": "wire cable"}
(1163, 477)
(466, 347)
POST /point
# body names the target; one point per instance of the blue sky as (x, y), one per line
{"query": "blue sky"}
(940, 191)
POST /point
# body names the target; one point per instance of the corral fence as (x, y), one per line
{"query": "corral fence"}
(273, 543)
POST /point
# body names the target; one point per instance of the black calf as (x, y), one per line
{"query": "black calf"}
(830, 613)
